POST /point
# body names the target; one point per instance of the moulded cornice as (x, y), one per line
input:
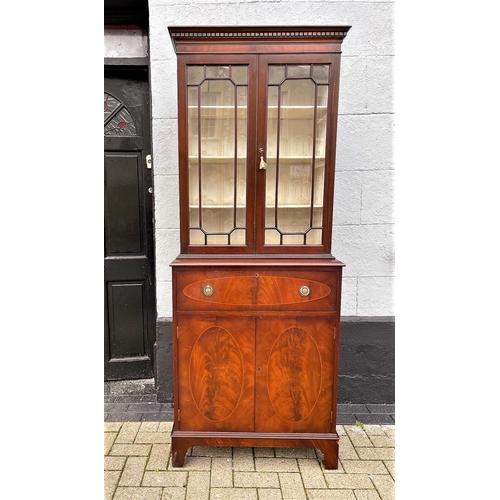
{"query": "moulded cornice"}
(259, 32)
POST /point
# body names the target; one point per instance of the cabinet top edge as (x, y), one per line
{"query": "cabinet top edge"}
(187, 260)
(214, 33)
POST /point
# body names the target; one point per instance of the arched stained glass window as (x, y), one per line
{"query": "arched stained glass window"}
(117, 119)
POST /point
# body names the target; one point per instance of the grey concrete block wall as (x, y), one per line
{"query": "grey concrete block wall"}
(363, 233)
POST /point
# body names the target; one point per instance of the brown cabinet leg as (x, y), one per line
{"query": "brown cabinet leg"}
(179, 451)
(330, 451)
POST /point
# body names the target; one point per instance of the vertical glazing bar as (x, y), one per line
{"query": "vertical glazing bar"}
(276, 180)
(235, 159)
(313, 163)
(199, 156)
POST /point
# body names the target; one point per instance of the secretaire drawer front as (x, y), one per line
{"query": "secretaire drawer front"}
(286, 290)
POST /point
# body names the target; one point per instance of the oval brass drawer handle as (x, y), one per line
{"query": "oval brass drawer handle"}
(208, 290)
(304, 291)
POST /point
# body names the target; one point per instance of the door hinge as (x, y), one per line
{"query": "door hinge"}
(334, 332)
(177, 332)
(179, 415)
(331, 417)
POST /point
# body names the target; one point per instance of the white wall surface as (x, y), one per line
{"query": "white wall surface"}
(363, 231)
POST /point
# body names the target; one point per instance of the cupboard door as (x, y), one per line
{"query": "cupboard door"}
(217, 153)
(216, 373)
(296, 131)
(294, 374)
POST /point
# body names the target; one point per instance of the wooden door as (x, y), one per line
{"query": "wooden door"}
(294, 374)
(215, 373)
(129, 327)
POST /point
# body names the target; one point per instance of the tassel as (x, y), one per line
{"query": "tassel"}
(263, 164)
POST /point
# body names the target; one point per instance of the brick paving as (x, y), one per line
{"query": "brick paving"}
(138, 466)
(137, 457)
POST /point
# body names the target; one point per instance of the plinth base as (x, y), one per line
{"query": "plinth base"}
(327, 443)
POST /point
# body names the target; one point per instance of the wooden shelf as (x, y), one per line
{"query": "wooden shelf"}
(230, 159)
(227, 207)
(287, 112)
(218, 206)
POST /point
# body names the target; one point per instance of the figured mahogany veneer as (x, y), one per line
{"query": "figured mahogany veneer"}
(254, 290)
(255, 361)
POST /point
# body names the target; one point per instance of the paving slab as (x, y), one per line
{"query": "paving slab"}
(138, 454)
(137, 467)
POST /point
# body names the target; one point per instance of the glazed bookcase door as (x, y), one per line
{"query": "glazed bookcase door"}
(216, 374)
(240, 110)
(295, 362)
(296, 130)
(216, 151)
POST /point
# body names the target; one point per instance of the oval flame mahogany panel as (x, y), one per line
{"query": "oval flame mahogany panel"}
(216, 374)
(256, 290)
(294, 374)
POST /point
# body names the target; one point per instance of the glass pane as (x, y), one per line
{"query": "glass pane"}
(195, 74)
(217, 148)
(194, 185)
(319, 185)
(270, 217)
(239, 75)
(297, 123)
(293, 219)
(318, 217)
(217, 239)
(192, 101)
(217, 71)
(193, 215)
(242, 99)
(313, 237)
(301, 71)
(292, 239)
(298, 93)
(196, 237)
(272, 98)
(270, 188)
(320, 73)
(241, 188)
(276, 74)
(300, 185)
(296, 142)
(237, 237)
(322, 99)
(272, 237)
(321, 124)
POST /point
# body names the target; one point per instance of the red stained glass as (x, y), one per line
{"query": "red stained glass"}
(117, 119)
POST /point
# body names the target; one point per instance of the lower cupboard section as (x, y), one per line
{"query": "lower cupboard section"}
(263, 381)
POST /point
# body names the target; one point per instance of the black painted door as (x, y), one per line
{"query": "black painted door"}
(130, 313)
